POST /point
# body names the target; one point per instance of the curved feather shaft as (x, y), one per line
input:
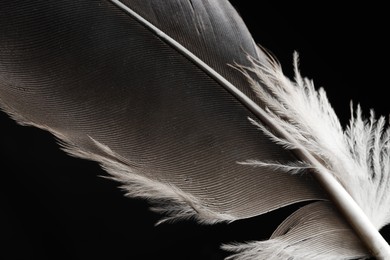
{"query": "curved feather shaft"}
(345, 203)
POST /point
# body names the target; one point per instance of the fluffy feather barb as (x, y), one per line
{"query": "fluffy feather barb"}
(358, 157)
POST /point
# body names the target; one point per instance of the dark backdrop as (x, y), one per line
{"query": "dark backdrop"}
(57, 207)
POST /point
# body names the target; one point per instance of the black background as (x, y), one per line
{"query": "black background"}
(57, 207)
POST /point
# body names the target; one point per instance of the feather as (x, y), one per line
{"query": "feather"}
(149, 92)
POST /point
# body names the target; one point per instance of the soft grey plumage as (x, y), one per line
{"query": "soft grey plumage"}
(147, 89)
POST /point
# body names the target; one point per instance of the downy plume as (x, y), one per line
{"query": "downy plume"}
(358, 158)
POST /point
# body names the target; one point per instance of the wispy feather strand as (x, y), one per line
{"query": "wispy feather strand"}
(358, 157)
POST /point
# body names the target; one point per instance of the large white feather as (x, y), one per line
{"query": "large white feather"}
(352, 166)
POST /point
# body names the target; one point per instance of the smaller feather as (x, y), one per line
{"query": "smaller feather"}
(315, 231)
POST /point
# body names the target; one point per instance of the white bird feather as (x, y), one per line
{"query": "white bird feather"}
(151, 94)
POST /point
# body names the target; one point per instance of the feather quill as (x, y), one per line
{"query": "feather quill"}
(149, 93)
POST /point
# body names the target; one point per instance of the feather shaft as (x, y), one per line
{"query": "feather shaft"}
(345, 203)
